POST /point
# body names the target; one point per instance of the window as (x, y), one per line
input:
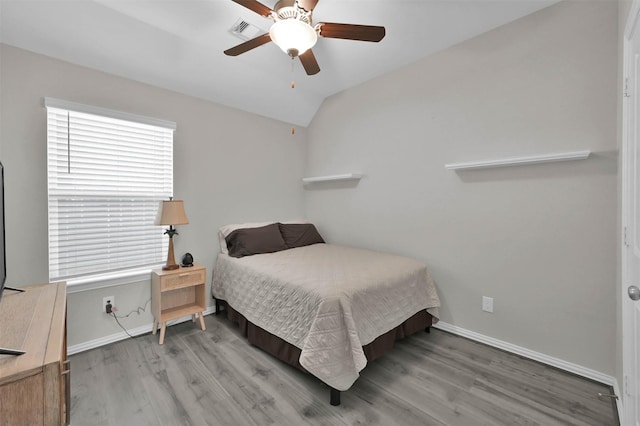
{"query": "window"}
(107, 173)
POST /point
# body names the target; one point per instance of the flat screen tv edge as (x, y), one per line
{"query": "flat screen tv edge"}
(3, 260)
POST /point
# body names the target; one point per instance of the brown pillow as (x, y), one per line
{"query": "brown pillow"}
(299, 234)
(248, 241)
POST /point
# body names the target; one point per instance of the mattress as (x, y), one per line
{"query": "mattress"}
(327, 300)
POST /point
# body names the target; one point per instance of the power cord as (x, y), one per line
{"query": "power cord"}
(111, 312)
(138, 310)
(125, 330)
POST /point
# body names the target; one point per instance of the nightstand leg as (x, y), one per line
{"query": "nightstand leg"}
(155, 327)
(202, 321)
(162, 330)
(193, 317)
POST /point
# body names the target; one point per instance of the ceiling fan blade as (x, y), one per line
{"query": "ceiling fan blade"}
(248, 45)
(351, 31)
(309, 62)
(256, 6)
(307, 5)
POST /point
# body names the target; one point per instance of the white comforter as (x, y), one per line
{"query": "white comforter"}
(327, 300)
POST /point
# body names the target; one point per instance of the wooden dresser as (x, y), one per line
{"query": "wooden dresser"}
(34, 387)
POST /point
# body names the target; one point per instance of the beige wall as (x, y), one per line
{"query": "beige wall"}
(540, 240)
(229, 166)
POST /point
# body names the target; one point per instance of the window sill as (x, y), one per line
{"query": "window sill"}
(92, 282)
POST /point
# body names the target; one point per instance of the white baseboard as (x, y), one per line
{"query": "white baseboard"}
(617, 391)
(96, 343)
(528, 353)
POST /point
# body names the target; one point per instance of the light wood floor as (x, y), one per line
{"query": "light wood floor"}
(215, 377)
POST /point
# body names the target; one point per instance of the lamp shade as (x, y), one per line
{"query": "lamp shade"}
(171, 212)
(294, 37)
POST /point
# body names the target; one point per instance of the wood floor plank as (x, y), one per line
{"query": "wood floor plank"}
(435, 394)
(215, 377)
(106, 384)
(305, 400)
(483, 396)
(554, 395)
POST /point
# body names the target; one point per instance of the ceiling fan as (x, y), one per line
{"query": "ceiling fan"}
(293, 32)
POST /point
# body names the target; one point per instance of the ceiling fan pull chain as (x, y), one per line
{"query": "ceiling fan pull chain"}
(293, 86)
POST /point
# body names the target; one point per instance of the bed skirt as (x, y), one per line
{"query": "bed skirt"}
(290, 354)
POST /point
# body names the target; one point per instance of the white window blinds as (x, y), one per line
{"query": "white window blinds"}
(106, 177)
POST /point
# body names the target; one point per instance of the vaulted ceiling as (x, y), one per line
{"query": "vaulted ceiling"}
(179, 44)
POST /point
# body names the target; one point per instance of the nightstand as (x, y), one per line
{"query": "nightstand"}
(177, 293)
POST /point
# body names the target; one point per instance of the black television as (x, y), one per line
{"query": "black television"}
(3, 259)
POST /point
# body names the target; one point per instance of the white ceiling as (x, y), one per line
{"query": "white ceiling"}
(178, 44)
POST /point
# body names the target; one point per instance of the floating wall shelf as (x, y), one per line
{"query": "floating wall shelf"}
(332, 178)
(520, 161)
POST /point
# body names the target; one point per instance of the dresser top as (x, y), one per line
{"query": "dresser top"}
(32, 321)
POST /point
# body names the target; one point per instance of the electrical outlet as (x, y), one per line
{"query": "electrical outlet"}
(487, 304)
(109, 299)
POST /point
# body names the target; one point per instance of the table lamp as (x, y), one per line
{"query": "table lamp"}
(171, 212)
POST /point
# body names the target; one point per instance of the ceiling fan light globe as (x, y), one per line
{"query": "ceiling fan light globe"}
(292, 35)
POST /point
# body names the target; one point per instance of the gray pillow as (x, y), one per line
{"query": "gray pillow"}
(299, 234)
(249, 241)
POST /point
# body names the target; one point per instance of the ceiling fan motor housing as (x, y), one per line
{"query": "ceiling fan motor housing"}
(288, 9)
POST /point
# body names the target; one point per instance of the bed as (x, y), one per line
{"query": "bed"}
(324, 308)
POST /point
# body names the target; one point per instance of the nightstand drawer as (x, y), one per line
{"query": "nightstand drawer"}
(183, 279)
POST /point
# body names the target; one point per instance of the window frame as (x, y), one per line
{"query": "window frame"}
(126, 274)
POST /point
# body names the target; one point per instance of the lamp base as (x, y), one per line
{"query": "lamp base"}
(171, 261)
(170, 267)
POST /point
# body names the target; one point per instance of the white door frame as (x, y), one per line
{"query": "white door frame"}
(629, 389)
